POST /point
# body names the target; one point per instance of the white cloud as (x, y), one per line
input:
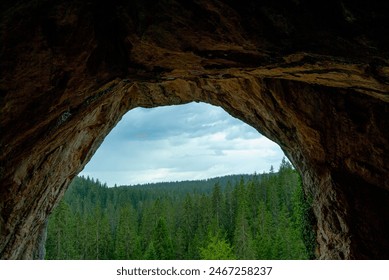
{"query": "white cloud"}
(193, 141)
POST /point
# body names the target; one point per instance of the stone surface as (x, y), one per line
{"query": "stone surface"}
(311, 75)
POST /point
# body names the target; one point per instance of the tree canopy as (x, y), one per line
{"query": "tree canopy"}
(265, 216)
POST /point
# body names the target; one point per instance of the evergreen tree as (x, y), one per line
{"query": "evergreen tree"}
(304, 221)
(264, 234)
(162, 241)
(229, 211)
(217, 249)
(127, 245)
(150, 253)
(187, 226)
(217, 204)
(243, 241)
(59, 242)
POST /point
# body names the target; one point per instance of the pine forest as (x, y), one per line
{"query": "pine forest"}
(260, 216)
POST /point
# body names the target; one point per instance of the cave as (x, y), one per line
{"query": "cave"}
(312, 77)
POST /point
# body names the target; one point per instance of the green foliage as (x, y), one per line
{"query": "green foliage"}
(217, 249)
(234, 217)
(304, 220)
(59, 243)
(150, 253)
(162, 241)
(126, 240)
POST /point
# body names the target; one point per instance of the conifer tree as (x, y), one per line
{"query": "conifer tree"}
(243, 241)
(150, 253)
(217, 249)
(217, 204)
(162, 241)
(127, 242)
(59, 242)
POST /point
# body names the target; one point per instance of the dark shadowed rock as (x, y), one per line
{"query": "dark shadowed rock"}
(311, 75)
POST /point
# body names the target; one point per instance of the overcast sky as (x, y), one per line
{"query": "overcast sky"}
(186, 142)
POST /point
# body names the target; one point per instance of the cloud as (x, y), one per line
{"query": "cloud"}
(193, 141)
(191, 120)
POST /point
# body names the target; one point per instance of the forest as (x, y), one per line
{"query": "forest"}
(260, 216)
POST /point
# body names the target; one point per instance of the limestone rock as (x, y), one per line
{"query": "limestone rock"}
(311, 75)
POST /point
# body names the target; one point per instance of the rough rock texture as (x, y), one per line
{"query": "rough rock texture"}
(311, 75)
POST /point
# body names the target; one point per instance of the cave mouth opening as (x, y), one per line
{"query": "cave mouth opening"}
(178, 190)
(180, 142)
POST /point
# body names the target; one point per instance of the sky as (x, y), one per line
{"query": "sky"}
(184, 142)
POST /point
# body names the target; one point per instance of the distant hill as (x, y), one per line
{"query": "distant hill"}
(91, 191)
(204, 185)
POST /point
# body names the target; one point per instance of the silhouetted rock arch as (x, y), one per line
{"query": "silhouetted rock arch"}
(311, 77)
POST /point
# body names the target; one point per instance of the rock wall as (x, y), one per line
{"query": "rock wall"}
(313, 77)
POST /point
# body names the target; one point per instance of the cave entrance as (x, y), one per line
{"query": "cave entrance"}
(165, 161)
